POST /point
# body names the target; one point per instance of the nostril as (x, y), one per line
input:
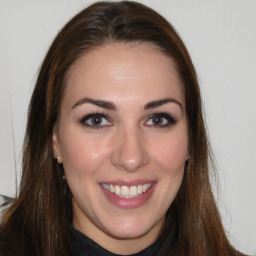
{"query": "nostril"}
(130, 160)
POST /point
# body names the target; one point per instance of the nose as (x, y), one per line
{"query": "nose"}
(130, 152)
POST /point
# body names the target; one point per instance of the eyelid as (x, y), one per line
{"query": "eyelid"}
(91, 115)
(170, 119)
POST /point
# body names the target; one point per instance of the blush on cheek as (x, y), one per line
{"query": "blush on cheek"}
(173, 161)
(173, 156)
(80, 156)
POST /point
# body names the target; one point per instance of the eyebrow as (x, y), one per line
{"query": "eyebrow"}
(100, 103)
(110, 106)
(158, 103)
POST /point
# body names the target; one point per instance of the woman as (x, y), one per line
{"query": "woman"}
(115, 155)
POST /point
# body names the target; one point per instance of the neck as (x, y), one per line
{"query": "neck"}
(122, 246)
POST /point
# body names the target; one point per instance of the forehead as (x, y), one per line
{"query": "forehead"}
(118, 70)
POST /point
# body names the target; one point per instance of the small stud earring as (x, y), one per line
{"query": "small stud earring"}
(58, 160)
(64, 177)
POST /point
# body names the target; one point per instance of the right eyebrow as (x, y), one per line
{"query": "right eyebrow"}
(100, 103)
(158, 103)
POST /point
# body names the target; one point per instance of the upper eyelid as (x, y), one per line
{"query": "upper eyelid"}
(84, 118)
(163, 114)
(159, 114)
(88, 116)
(169, 109)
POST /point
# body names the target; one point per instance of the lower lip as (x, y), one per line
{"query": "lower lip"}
(128, 203)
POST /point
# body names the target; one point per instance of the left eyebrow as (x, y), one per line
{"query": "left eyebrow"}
(158, 103)
(100, 103)
(110, 106)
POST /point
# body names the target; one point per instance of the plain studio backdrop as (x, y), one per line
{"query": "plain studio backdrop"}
(221, 38)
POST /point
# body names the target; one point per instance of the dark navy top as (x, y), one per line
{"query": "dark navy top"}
(84, 246)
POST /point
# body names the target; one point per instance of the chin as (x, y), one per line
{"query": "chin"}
(127, 234)
(129, 230)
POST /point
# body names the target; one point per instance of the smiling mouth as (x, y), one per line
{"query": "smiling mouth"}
(127, 191)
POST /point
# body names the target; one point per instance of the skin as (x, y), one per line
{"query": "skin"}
(127, 146)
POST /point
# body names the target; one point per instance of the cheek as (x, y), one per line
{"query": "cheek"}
(81, 154)
(171, 152)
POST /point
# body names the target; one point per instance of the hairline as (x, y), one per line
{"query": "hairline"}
(107, 42)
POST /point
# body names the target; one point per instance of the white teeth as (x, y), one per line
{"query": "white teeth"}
(124, 191)
(145, 187)
(140, 190)
(127, 192)
(133, 191)
(117, 190)
(111, 188)
(105, 186)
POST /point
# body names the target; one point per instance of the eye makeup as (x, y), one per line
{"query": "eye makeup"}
(100, 120)
(160, 120)
(95, 120)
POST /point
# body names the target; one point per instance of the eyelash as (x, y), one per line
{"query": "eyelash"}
(84, 119)
(168, 119)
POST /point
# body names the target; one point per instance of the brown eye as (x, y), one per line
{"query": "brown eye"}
(95, 121)
(160, 120)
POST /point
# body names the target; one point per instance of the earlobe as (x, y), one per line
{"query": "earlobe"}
(187, 157)
(56, 148)
(59, 161)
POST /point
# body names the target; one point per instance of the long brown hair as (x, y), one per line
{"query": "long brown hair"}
(38, 221)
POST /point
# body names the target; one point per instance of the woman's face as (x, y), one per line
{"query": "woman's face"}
(122, 138)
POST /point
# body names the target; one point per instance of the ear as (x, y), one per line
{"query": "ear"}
(56, 147)
(187, 157)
